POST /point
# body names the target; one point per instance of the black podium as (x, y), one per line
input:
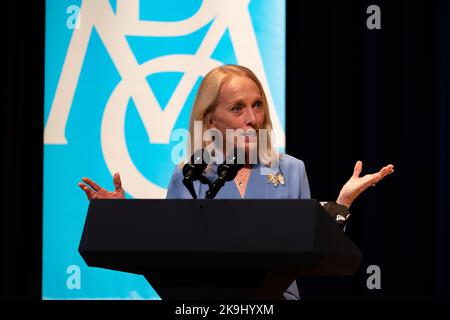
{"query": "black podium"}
(217, 249)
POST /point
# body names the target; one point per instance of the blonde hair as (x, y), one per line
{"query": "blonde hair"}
(207, 99)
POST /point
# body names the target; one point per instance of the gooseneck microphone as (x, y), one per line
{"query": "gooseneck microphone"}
(226, 171)
(193, 170)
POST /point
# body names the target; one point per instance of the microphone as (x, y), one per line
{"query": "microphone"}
(193, 170)
(227, 171)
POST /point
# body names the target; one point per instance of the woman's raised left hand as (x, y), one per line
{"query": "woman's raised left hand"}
(356, 184)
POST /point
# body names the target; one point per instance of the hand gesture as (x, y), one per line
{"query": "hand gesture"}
(356, 184)
(98, 192)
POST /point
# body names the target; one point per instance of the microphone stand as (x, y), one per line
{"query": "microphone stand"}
(190, 186)
(205, 180)
(226, 172)
(214, 188)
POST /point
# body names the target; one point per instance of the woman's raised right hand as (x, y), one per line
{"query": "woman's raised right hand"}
(97, 192)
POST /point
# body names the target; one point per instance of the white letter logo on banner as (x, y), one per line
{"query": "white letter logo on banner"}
(159, 123)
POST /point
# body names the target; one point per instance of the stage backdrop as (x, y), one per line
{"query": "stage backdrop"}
(120, 77)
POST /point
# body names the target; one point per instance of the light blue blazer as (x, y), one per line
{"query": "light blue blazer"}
(296, 187)
(293, 170)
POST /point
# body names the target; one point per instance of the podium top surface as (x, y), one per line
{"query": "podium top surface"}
(142, 234)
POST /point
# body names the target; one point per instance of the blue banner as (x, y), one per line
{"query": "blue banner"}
(120, 77)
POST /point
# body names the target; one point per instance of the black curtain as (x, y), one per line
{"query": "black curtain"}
(380, 96)
(21, 143)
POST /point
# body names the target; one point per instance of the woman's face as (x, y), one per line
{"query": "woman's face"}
(240, 107)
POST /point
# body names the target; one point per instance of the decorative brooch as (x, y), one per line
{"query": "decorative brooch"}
(275, 179)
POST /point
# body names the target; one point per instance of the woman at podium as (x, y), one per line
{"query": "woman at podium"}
(232, 97)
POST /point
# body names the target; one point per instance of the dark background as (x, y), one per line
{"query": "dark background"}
(380, 96)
